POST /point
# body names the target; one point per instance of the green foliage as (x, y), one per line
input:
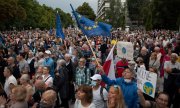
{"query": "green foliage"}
(155, 14)
(116, 14)
(86, 11)
(29, 13)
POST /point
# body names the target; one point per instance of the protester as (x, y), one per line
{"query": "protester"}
(10, 82)
(84, 97)
(115, 98)
(18, 96)
(128, 87)
(82, 74)
(161, 100)
(99, 92)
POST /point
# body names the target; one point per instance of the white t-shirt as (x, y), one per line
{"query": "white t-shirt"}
(170, 65)
(48, 80)
(10, 80)
(97, 98)
(79, 105)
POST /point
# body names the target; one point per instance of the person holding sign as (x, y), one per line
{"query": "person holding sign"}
(127, 84)
(161, 100)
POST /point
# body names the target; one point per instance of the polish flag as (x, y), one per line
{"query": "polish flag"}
(109, 65)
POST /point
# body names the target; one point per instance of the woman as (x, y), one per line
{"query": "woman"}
(47, 78)
(161, 101)
(154, 62)
(84, 97)
(24, 81)
(115, 98)
(17, 98)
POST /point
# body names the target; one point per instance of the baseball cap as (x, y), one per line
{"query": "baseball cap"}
(48, 52)
(96, 77)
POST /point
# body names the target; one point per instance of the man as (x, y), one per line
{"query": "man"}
(120, 66)
(82, 74)
(171, 69)
(99, 93)
(23, 64)
(145, 55)
(48, 100)
(70, 68)
(127, 84)
(48, 61)
(40, 88)
(11, 63)
(10, 80)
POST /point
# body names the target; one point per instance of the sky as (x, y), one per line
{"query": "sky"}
(65, 4)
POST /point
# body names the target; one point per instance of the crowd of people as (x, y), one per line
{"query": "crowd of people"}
(38, 70)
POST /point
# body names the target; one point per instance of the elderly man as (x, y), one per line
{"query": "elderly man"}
(11, 63)
(82, 74)
(171, 69)
(145, 55)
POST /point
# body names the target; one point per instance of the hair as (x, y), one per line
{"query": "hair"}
(52, 96)
(10, 69)
(47, 67)
(155, 69)
(25, 77)
(120, 98)
(19, 93)
(154, 54)
(88, 92)
(164, 93)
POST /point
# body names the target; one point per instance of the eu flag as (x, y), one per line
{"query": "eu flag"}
(91, 28)
(59, 32)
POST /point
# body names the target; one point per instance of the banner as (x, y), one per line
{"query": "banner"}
(125, 50)
(146, 81)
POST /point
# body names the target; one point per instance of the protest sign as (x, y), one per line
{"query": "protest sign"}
(125, 50)
(146, 81)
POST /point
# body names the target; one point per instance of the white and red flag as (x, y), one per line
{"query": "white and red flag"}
(109, 65)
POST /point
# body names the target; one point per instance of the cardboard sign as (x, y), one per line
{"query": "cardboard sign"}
(146, 81)
(125, 50)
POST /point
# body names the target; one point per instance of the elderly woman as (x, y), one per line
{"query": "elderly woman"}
(115, 98)
(84, 97)
(18, 96)
(24, 80)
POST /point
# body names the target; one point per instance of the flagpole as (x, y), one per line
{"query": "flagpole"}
(92, 50)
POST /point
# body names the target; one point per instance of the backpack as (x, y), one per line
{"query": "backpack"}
(101, 93)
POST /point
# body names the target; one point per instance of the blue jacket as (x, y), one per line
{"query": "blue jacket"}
(129, 90)
(49, 62)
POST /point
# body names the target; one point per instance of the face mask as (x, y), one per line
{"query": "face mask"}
(127, 80)
(93, 83)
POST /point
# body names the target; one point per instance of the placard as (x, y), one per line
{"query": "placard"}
(125, 50)
(146, 81)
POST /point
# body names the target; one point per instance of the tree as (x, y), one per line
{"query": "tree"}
(86, 11)
(29, 13)
(116, 14)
